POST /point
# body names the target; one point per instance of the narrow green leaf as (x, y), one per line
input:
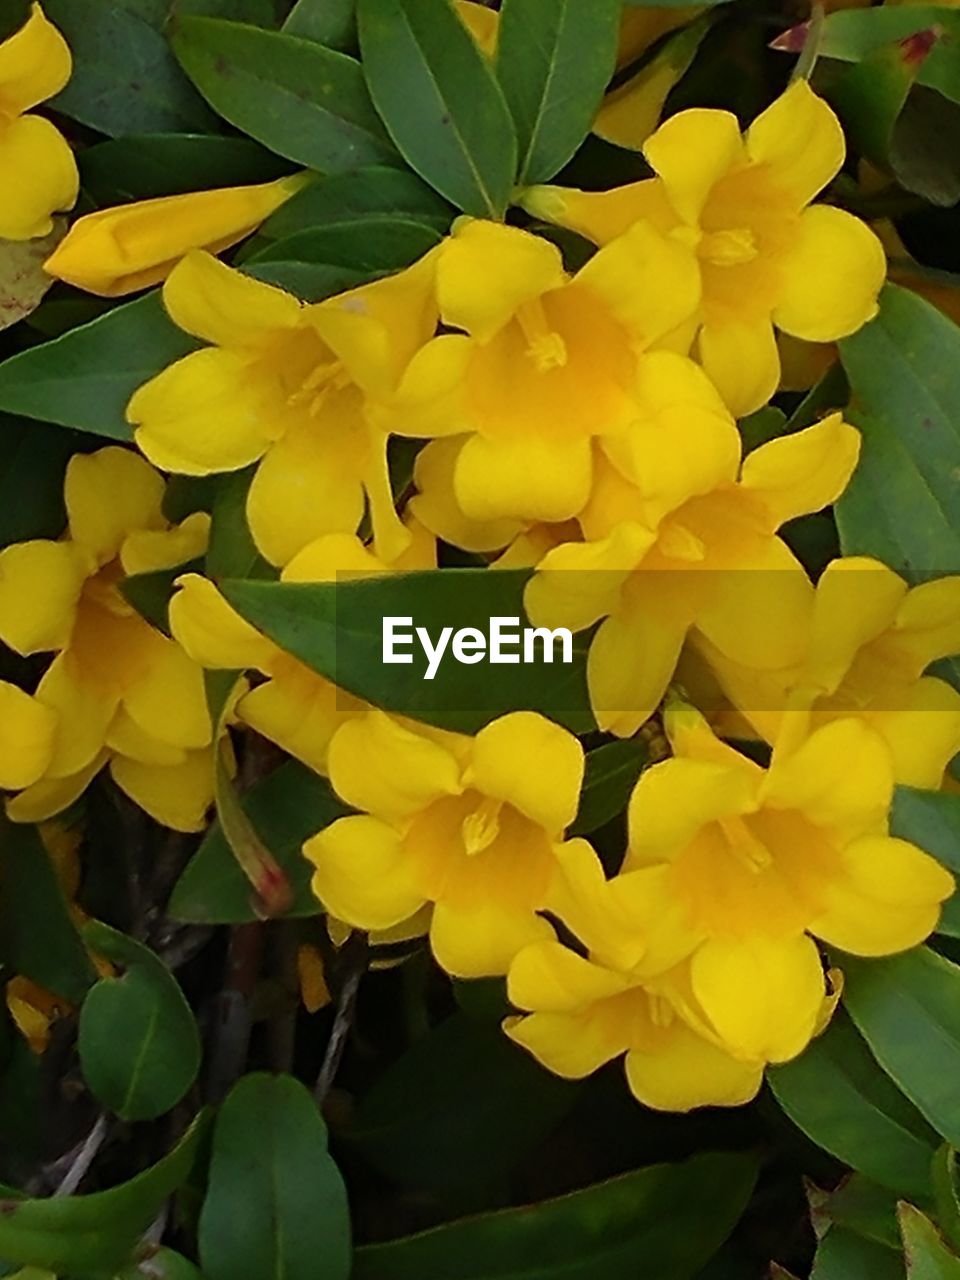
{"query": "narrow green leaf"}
(275, 1204)
(928, 1258)
(864, 1207)
(166, 164)
(370, 245)
(440, 101)
(329, 22)
(554, 60)
(308, 281)
(85, 378)
(943, 1175)
(162, 1265)
(931, 819)
(299, 99)
(139, 1044)
(843, 1255)
(150, 593)
(610, 776)
(33, 463)
(853, 34)
(662, 1221)
(232, 552)
(374, 190)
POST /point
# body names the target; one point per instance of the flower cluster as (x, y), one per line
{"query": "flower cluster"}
(583, 425)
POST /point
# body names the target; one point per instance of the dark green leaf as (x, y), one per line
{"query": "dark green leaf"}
(308, 281)
(440, 100)
(139, 1044)
(33, 462)
(854, 34)
(842, 1255)
(150, 593)
(86, 377)
(13, 15)
(378, 189)
(864, 1207)
(276, 1204)
(286, 808)
(299, 99)
(370, 245)
(162, 1265)
(610, 776)
(167, 164)
(943, 1175)
(554, 60)
(232, 552)
(838, 1095)
(336, 629)
(329, 22)
(928, 1258)
(931, 819)
(77, 1235)
(662, 1222)
(37, 935)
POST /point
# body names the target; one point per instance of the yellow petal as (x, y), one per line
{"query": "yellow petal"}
(177, 796)
(482, 23)
(675, 799)
(525, 477)
(40, 177)
(804, 471)
(50, 796)
(531, 763)
(361, 875)
(601, 216)
(690, 152)
(799, 142)
(27, 731)
(481, 940)
(578, 583)
(203, 414)
(299, 711)
(109, 495)
(741, 359)
(40, 584)
(832, 276)
(83, 712)
(35, 63)
(435, 504)
(379, 766)
(683, 1071)
(214, 302)
(126, 738)
(429, 398)
(571, 1045)
(551, 978)
(927, 625)
(168, 699)
(150, 550)
(856, 601)
(921, 727)
(212, 632)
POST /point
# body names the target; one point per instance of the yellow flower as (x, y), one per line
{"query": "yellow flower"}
(689, 540)
(471, 825)
(293, 386)
(740, 208)
(117, 689)
(39, 171)
(546, 362)
(117, 251)
(868, 642)
(294, 707)
(738, 866)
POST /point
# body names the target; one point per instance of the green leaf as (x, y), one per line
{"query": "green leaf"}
(838, 1095)
(440, 101)
(275, 1203)
(610, 776)
(37, 935)
(232, 552)
(13, 15)
(299, 99)
(125, 79)
(286, 808)
(907, 1008)
(931, 819)
(943, 1175)
(79, 1235)
(329, 22)
(903, 503)
(33, 463)
(928, 1258)
(370, 245)
(554, 60)
(85, 378)
(162, 1265)
(434, 1121)
(308, 281)
(853, 34)
(662, 1221)
(843, 1255)
(864, 1207)
(139, 1045)
(375, 190)
(150, 593)
(336, 630)
(167, 164)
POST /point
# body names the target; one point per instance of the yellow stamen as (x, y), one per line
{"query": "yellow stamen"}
(661, 1011)
(481, 827)
(747, 848)
(729, 248)
(676, 542)
(545, 347)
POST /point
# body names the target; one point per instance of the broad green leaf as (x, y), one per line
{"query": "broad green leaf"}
(843, 1255)
(664, 1221)
(33, 462)
(853, 34)
(308, 281)
(903, 503)
(440, 101)
(299, 99)
(162, 1265)
(864, 1207)
(931, 819)
(165, 164)
(37, 935)
(369, 245)
(232, 552)
(554, 60)
(329, 22)
(610, 776)
(150, 593)
(838, 1095)
(125, 79)
(275, 1204)
(80, 1235)
(336, 629)
(928, 1258)
(23, 281)
(286, 808)
(139, 1044)
(85, 378)
(946, 1196)
(907, 1008)
(434, 1121)
(375, 190)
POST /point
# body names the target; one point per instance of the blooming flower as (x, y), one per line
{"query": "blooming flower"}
(545, 362)
(39, 171)
(683, 536)
(117, 689)
(117, 251)
(742, 209)
(292, 386)
(471, 825)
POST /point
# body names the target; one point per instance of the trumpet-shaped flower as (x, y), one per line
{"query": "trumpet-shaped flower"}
(116, 689)
(870, 641)
(117, 251)
(39, 171)
(747, 863)
(544, 363)
(741, 206)
(688, 540)
(470, 825)
(293, 387)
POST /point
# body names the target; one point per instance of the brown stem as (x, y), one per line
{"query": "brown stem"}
(351, 968)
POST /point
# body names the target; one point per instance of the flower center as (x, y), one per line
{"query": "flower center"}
(747, 848)
(545, 347)
(677, 542)
(661, 1010)
(729, 248)
(481, 827)
(328, 376)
